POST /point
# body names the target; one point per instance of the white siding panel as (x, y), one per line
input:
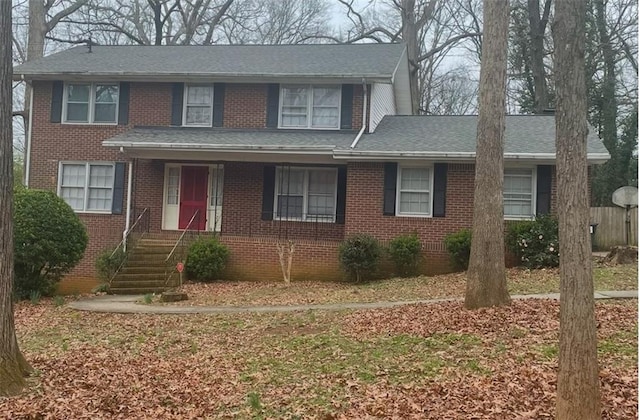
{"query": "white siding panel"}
(382, 103)
(401, 87)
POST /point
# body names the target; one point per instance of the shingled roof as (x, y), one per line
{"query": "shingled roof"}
(375, 62)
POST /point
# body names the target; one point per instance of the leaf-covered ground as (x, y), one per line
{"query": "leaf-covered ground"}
(520, 281)
(419, 361)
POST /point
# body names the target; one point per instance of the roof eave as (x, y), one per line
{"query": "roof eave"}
(232, 148)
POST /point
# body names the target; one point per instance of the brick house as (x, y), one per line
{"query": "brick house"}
(263, 143)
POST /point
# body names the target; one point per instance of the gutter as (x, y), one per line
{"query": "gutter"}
(365, 94)
(27, 163)
(221, 147)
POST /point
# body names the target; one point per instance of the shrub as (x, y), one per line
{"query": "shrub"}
(49, 240)
(108, 263)
(206, 259)
(405, 252)
(535, 242)
(458, 246)
(359, 256)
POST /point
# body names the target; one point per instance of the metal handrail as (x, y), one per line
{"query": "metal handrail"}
(143, 216)
(169, 268)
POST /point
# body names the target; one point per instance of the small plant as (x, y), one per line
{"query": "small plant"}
(206, 259)
(535, 242)
(101, 288)
(458, 246)
(34, 297)
(405, 252)
(147, 299)
(359, 256)
(58, 301)
(254, 402)
(108, 263)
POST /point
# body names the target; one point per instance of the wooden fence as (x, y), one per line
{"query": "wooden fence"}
(612, 226)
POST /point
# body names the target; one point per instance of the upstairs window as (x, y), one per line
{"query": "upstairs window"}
(87, 187)
(518, 193)
(198, 105)
(307, 194)
(310, 107)
(91, 103)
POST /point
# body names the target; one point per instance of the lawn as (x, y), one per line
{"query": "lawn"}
(417, 361)
(520, 281)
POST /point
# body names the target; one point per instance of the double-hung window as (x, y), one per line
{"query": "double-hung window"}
(414, 191)
(307, 194)
(518, 193)
(310, 107)
(92, 103)
(198, 105)
(87, 186)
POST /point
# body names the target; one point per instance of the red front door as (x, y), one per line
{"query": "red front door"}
(193, 196)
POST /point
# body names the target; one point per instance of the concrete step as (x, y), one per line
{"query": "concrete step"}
(137, 290)
(139, 277)
(143, 269)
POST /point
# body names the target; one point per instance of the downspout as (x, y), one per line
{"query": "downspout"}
(27, 163)
(365, 94)
(128, 221)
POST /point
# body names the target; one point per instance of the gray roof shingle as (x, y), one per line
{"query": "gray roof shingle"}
(436, 135)
(263, 61)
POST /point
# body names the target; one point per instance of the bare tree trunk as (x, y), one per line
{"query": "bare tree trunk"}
(410, 37)
(537, 27)
(578, 383)
(12, 369)
(486, 277)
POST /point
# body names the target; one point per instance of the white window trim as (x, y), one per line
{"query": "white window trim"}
(305, 195)
(88, 165)
(398, 191)
(309, 107)
(185, 105)
(92, 103)
(534, 192)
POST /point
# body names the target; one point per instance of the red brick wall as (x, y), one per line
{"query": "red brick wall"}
(245, 106)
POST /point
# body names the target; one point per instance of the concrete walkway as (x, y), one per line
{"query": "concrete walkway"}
(125, 304)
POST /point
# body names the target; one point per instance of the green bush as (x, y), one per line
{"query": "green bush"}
(206, 259)
(108, 263)
(49, 240)
(359, 256)
(458, 246)
(535, 242)
(405, 252)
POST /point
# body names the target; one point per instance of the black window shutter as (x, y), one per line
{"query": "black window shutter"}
(543, 190)
(218, 104)
(123, 104)
(346, 110)
(177, 96)
(341, 199)
(268, 190)
(273, 104)
(439, 189)
(390, 178)
(57, 92)
(118, 189)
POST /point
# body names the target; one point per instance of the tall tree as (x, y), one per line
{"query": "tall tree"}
(486, 277)
(13, 367)
(578, 383)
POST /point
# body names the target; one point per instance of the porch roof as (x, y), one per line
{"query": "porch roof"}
(141, 140)
(453, 137)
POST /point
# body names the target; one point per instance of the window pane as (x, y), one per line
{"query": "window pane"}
(101, 176)
(78, 93)
(412, 202)
(198, 115)
(294, 107)
(199, 95)
(518, 192)
(107, 94)
(289, 206)
(416, 179)
(295, 97)
(105, 113)
(73, 175)
(290, 182)
(326, 102)
(173, 183)
(322, 182)
(77, 112)
(215, 197)
(74, 197)
(99, 199)
(321, 205)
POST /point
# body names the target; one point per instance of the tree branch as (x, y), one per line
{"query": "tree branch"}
(447, 43)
